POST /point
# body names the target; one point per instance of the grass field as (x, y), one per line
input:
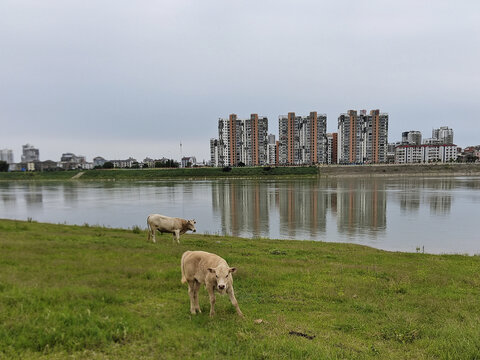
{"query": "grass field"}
(86, 292)
(251, 172)
(158, 174)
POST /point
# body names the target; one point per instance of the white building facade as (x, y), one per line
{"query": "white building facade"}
(6, 155)
(415, 154)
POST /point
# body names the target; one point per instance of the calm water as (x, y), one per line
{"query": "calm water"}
(439, 214)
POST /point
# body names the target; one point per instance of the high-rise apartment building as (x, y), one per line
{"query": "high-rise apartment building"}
(241, 141)
(362, 137)
(444, 135)
(332, 148)
(255, 141)
(302, 140)
(272, 150)
(412, 138)
(214, 160)
(30, 154)
(6, 155)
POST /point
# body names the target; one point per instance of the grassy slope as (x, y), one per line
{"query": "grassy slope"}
(97, 293)
(334, 170)
(156, 174)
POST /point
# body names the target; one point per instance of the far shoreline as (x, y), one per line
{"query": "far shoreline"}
(266, 172)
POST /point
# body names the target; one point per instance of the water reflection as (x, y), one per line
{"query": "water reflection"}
(302, 206)
(7, 194)
(420, 211)
(243, 207)
(362, 206)
(435, 192)
(33, 196)
(70, 193)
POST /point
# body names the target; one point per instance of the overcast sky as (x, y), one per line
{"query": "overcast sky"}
(135, 78)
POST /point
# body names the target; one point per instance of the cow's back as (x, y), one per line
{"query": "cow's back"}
(196, 263)
(164, 223)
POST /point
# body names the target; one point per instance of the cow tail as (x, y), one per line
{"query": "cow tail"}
(184, 279)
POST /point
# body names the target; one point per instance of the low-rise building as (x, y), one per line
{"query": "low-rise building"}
(122, 164)
(98, 161)
(48, 165)
(414, 154)
(71, 161)
(188, 161)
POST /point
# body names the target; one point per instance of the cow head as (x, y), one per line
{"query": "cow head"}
(191, 225)
(223, 276)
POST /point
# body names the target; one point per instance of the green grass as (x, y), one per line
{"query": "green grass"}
(89, 292)
(263, 172)
(36, 175)
(157, 174)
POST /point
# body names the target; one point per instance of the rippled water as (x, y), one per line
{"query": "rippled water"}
(437, 214)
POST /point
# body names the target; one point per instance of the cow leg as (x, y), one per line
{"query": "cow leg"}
(211, 294)
(176, 236)
(231, 295)
(191, 293)
(195, 294)
(152, 234)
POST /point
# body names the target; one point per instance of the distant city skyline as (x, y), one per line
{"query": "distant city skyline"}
(136, 79)
(397, 138)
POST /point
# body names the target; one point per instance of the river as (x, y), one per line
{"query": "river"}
(434, 214)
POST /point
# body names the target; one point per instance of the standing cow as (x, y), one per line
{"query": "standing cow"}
(175, 226)
(200, 267)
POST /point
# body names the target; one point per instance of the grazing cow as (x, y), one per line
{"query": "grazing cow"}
(175, 226)
(200, 267)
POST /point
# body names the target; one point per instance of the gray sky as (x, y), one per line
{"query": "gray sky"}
(134, 78)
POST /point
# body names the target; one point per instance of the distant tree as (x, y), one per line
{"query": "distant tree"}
(169, 163)
(3, 166)
(135, 165)
(108, 165)
(145, 166)
(227, 169)
(470, 158)
(241, 164)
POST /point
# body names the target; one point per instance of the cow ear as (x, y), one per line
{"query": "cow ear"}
(211, 270)
(233, 270)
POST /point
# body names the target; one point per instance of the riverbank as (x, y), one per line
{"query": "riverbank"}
(450, 169)
(97, 293)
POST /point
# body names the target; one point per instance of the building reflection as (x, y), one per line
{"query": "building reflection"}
(33, 195)
(435, 192)
(361, 206)
(249, 208)
(302, 208)
(8, 197)
(243, 207)
(70, 193)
